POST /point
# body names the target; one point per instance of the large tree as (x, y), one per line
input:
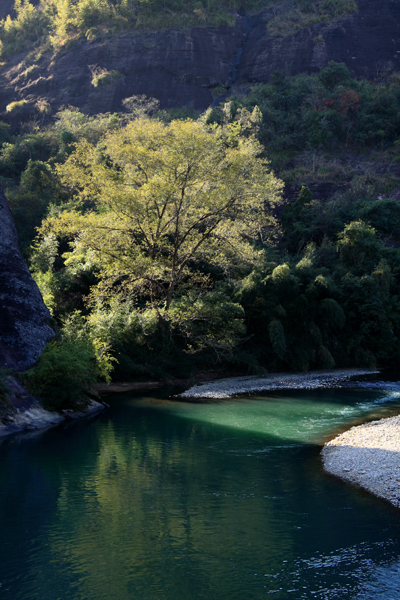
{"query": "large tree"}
(165, 198)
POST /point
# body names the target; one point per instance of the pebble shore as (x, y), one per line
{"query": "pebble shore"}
(225, 388)
(369, 456)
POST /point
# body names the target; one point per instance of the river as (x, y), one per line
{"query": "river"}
(170, 500)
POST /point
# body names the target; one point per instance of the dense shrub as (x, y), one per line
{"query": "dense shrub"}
(101, 77)
(65, 370)
(16, 105)
(322, 111)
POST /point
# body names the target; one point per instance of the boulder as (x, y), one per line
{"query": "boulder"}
(24, 318)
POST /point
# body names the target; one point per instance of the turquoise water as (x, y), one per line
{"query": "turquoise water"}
(167, 500)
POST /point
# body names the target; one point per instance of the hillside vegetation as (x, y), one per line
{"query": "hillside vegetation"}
(54, 23)
(166, 245)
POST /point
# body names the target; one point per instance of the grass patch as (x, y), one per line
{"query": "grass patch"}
(92, 33)
(16, 105)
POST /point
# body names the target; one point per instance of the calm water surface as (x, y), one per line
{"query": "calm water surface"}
(186, 501)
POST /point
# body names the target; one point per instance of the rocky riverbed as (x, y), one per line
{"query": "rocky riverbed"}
(369, 456)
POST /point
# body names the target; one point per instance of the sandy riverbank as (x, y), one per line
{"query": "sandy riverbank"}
(369, 456)
(225, 388)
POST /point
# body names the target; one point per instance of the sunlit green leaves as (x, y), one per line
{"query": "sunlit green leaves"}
(167, 196)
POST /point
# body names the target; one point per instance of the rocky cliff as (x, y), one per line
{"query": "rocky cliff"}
(188, 67)
(24, 328)
(368, 42)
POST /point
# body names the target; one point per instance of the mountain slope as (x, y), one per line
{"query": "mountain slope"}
(191, 67)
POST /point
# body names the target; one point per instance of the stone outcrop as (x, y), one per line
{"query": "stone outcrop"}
(368, 42)
(23, 412)
(24, 318)
(186, 67)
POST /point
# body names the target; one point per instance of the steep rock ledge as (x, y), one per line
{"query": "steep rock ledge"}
(24, 328)
(179, 67)
(183, 67)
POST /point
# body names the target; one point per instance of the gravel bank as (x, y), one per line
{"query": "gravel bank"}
(369, 456)
(225, 388)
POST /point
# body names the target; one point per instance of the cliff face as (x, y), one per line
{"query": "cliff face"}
(183, 67)
(368, 42)
(24, 328)
(179, 67)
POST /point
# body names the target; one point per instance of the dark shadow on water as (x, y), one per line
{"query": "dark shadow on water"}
(148, 503)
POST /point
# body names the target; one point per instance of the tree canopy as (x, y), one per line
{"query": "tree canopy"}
(164, 199)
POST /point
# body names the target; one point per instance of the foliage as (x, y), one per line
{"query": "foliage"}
(167, 196)
(322, 110)
(27, 164)
(141, 105)
(322, 291)
(58, 21)
(16, 105)
(28, 26)
(70, 366)
(315, 316)
(277, 337)
(183, 206)
(65, 369)
(211, 321)
(102, 76)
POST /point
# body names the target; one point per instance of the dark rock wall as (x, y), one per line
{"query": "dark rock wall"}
(182, 67)
(6, 8)
(179, 67)
(24, 328)
(367, 42)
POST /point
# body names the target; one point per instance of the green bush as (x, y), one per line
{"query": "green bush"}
(65, 370)
(218, 91)
(16, 105)
(102, 77)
